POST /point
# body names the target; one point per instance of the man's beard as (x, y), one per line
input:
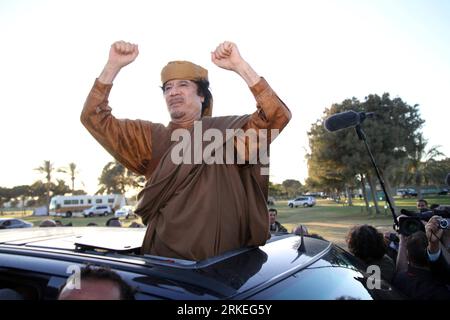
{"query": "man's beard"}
(177, 114)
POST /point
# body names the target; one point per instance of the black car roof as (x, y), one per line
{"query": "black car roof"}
(225, 276)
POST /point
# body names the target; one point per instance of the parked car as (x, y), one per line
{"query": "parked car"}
(407, 193)
(11, 223)
(443, 192)
(290, 267)
(303, 201)
(124, 212)
(97, 210)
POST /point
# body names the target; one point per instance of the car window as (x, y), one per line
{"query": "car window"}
(333, 278)
(315, 283)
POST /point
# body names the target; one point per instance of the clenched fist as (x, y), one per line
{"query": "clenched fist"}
(122, 53)
(227, 56)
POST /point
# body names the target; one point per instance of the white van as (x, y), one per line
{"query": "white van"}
(124, 212)
(97, 210)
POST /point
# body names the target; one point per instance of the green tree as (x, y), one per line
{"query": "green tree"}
(292, 187)
(21, 192)
(276, 190)
(39, 190)
(337, 158)
(115, 178)
(436, 171)
(61, 188)
(419, 162)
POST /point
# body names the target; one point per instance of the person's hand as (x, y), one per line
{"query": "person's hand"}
(402, 237)
(121, 54)
(434, 234)
(227, 56)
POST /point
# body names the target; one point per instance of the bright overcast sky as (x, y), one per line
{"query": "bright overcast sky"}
(313, 53)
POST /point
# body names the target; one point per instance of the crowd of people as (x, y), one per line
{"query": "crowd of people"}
(415, 264)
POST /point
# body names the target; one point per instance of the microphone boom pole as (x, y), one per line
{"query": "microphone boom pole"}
(362, 136)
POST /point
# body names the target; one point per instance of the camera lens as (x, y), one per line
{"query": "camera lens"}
(410, 225)
(443, 224)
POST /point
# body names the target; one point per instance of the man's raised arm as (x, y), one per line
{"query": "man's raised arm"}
(121, 54)
(129, 141)
(271, 112)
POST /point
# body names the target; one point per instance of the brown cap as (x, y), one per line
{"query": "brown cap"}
(178, 70)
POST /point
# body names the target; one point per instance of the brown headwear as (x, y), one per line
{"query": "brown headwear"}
(187, 71)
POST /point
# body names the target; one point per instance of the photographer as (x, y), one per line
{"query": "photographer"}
(367, 243)
(417, 281)
(422, 205)
(435, 235)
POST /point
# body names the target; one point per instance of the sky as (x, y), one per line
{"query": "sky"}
(312, 53)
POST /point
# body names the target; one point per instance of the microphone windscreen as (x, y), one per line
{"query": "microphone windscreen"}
(342, 120)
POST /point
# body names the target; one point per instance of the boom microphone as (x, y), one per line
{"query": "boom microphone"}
(345, 119)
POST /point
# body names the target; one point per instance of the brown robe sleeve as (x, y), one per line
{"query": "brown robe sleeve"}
(271, 112)
(128, 141)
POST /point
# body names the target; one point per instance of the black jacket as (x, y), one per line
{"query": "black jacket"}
(419, 284)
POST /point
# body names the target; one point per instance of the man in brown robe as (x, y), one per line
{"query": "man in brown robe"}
(192, 210)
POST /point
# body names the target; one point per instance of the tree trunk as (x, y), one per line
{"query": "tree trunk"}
(373, 191)
(349, 195)
(418, 185)
(363, 188)
(419, 191)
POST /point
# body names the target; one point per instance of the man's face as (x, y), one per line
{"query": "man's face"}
(92, 290)
(272, 217)
(183, 102)
(421, 205)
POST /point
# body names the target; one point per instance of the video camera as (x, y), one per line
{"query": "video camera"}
(413, 220)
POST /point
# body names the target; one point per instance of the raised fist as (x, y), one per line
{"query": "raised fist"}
(227, 56)
(122, 53)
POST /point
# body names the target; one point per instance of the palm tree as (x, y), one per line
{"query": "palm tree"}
(47, 168)
(71, 170)
(115, 178)
(420, 160)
